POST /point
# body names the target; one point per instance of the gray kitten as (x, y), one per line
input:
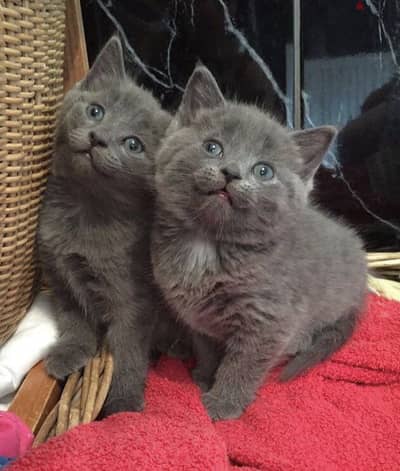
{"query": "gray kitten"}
(94, 234)
(241, 255)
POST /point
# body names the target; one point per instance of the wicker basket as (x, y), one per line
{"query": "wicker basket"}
(386, 278)
(82, 398)
(31, 89)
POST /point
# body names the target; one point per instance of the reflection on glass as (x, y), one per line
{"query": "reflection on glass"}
(242, 42)
(350, 79)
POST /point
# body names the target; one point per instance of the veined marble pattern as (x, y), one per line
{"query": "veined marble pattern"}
(350, 78)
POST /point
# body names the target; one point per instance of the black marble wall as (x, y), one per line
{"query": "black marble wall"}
(349, 78)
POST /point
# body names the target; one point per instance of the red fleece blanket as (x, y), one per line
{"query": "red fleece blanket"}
(343, 415)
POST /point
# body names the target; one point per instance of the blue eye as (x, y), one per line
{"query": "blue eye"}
(95, 112)
(133, 145)
(263, 171)
(213, 148)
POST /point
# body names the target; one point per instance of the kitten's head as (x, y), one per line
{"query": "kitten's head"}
(227, 167)
(108, 128)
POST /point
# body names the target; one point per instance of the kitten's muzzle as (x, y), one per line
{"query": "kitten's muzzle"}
(216, 181)
(231, 173)
(95, 143)
(222, 193)
(95, 140)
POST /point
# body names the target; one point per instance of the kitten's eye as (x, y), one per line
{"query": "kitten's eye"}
(133, 145)
(95, 112)
(213, 148)
(263, 171)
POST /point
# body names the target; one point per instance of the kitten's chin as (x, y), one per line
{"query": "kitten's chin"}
(216, 211)
(223, 196)
(82, 165)
(97, 164)
(87, 164)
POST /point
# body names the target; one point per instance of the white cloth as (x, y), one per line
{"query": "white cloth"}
(30, 343)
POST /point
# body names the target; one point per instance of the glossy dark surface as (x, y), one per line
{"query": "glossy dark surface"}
(349, 58)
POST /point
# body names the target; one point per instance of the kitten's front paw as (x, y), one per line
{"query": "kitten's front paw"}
(64, 360)
(203, 381)
(219, 408)
(125, 404)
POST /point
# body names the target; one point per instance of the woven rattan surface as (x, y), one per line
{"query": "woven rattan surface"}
(31, 89)
(82, 398)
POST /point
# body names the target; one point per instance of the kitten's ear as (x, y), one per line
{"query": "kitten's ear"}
(108, 67)
(313, 144)
(201, 91)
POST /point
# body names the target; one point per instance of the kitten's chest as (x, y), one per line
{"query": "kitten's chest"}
(198, 285)
(65, 232)
(191, 263)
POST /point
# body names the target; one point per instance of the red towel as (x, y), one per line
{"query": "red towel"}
(342, 415)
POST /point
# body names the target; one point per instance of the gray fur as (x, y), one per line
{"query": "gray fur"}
(265, 277)
(94, 228)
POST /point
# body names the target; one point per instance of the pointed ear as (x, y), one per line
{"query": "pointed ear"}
(313, 144)
(108, 66)
(201, 91)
